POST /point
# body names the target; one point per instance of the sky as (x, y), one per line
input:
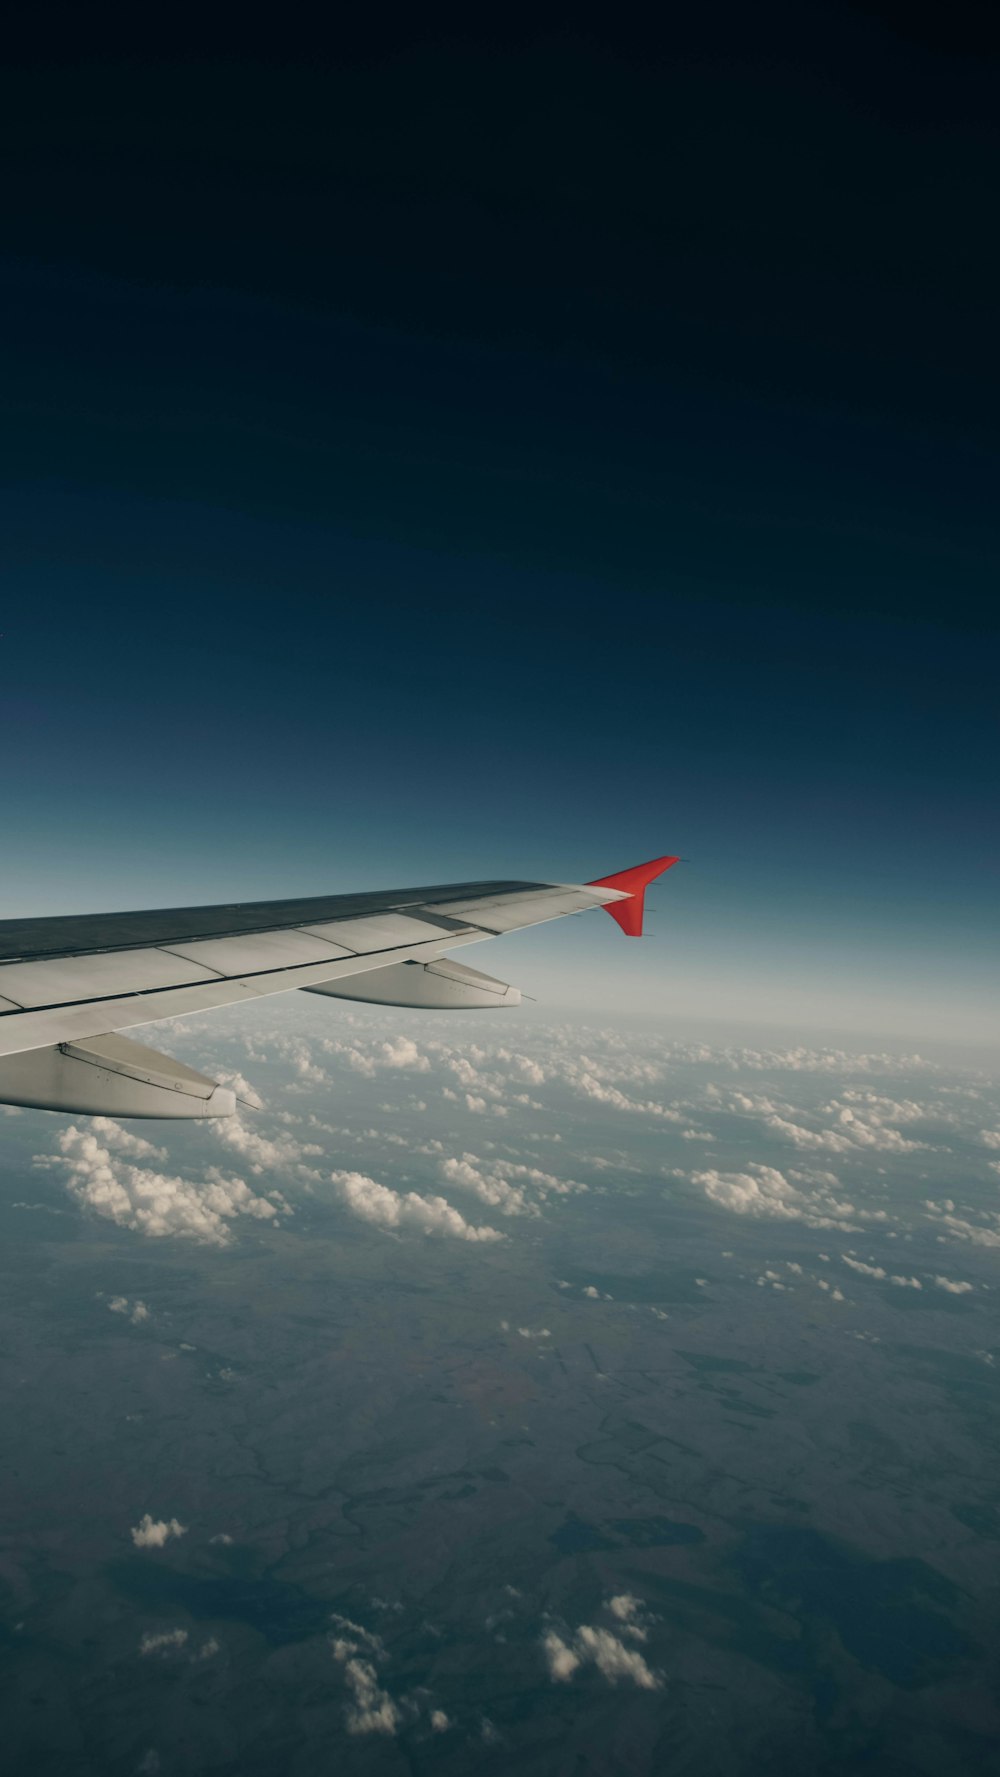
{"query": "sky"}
(438, 455)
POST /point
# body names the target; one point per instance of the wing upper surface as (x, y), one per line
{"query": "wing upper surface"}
(68, 978)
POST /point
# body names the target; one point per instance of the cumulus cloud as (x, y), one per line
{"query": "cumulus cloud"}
(613, 1659)
(104, 1174)
(505, 1184)
(953, 1286)
(565, 1654)
(137, 1311)
(629, 1610)
(881, 1275)
(763, 1191)
(163, 1641)
(851, 1133)
(394, 1210)
(468, 1174)
(371, 1058)
(261, 1153)
(439, 1721)
(152, 1533)
(373, 1710)
(356, 1648)
(402, 1052)
(877, 1271)
(242, 1088)
(585, 1082)
(560, 1657)
(977, 1233)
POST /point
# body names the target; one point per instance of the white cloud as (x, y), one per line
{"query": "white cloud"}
(851, 1133)
(354, 1635)
(531, 1333)
(373, 1710)
(399, 1053)
(953, 1286)
(402, 1052)
(591, 1645)
(990, 1138)
(763, 1191)
(103, 1174)
(976, 1233)
(439, 1721)
(562, 1661)
(243, 1089)
(505, 1184)
(489, 1187)
(261, 1153)
(207, 1650)
(589, 1086)
(162, 1642)
(137, 1314)
(152, 1533)
(877, 1271)
(881, 1275)
(393, 1210)
(613, 1659)
(628, 1610)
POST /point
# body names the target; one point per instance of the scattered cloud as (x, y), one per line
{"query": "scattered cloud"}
(763, 1191)
(163, 1641)
(104, 1174)
(260, 1153)
(137, 1311)
(953, 1286)
(566, 1653)
(395, 1210)
(630, 1611)
(373, 1710)
(152, 1533)
(881, 1275)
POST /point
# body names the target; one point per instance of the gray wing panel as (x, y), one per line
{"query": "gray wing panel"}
(24, 940)
(65, 994)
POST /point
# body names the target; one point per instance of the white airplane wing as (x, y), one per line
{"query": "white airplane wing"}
(69, 985)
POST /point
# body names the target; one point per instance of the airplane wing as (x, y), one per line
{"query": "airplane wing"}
(69, 985)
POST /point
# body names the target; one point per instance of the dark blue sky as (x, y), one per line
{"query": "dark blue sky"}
(431, 458)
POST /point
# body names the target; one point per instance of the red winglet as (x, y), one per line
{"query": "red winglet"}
(628, 914)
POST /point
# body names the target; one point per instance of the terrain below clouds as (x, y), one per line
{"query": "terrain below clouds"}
(500, 1396)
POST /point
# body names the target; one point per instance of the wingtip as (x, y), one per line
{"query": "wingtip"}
(633, 883)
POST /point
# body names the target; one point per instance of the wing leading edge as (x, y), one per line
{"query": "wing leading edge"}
(68, 984)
